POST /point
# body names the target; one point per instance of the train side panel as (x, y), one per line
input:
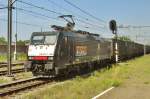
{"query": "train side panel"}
(128, 50)
(81, 49)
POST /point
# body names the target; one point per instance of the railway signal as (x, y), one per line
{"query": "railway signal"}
(113, 28)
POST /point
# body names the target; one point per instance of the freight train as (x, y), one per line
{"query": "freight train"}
(54, 53)
(66, 50)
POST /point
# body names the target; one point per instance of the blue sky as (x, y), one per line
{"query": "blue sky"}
(126, 12)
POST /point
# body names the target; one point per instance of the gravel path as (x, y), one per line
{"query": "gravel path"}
(128, 92)
(136, 84)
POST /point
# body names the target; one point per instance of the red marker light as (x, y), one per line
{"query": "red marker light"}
(40, 58)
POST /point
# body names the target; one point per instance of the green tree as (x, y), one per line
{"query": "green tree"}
(124, 38)
(3, 40)
(22, 42)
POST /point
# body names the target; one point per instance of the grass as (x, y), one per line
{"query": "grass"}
(19, 76)
(3, 58)
(13, 67)
(20, 56)
(5, 79)
(136, 71)
(23, 75)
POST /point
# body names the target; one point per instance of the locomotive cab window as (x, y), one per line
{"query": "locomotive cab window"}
(50, 39)
(37, 39)
(44, 39)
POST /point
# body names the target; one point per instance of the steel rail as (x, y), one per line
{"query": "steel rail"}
(4, 72)
(14, 64)
(14, 87)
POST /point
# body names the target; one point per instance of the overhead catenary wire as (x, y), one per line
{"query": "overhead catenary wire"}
(33, 13)
(42, 8)
(148, 26)
(135, 31)
(24, 23)
(58, 13)
(89, 23)
(132, 26)
(65, 9)
(84, 23)
(29, 11)
(85, 12)
(3, 7)
(39, 15)
(48, 17)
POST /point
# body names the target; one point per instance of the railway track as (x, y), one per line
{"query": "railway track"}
(4, 72)
(3, 62)
(2, 65)
(14, 87)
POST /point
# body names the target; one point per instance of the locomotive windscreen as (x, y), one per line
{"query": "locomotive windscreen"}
(44, 39)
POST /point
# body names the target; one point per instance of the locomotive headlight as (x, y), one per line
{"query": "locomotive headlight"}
(30, 57)
(50, 58)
